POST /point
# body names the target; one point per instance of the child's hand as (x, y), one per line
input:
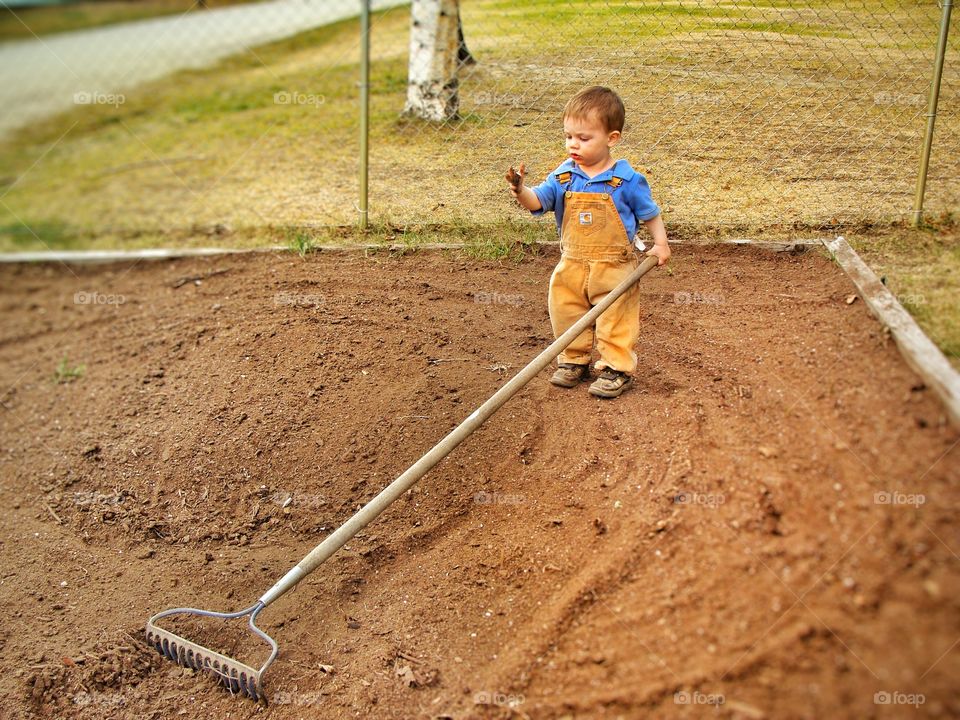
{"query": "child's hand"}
(515, 178)
(662, 252)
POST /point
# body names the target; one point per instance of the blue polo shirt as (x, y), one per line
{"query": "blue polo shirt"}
(632, 198)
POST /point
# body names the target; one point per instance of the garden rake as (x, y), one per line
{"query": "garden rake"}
(240, 678)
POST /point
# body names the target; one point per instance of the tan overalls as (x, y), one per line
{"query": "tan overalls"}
(596, 257)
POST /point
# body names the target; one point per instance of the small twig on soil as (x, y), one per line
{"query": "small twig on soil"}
(437, 361)
(194, 278)
(407, 656)
(55, 516)
(416, 417)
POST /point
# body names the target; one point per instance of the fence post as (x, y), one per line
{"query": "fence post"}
(364, 107)
(931, 112)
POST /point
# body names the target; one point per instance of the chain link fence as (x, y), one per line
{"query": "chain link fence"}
(744, 116)
(741, 114)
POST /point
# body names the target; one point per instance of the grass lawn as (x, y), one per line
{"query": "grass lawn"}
(921, 268)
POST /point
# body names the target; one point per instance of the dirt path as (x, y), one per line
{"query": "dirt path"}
(100, 64)
(767, 520)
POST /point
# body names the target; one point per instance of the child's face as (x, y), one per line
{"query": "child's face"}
(588, 141)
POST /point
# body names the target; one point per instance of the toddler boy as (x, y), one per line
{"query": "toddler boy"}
(599, 203)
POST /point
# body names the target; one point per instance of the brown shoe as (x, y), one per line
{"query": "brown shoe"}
(611, 384)
(569, 375)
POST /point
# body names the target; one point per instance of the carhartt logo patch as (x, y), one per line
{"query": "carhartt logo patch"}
(586, 218)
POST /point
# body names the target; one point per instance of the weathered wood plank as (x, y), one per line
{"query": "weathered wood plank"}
(103, 256)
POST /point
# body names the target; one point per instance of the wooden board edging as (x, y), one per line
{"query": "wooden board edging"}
(107, 256)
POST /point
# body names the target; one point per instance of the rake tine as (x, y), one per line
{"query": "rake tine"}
(236, 677)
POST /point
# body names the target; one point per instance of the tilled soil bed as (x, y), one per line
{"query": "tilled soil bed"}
(764, 526)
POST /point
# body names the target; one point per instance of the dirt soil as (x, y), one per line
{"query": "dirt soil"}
(765, 527)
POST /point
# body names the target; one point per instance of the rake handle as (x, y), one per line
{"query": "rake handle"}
(438, 452)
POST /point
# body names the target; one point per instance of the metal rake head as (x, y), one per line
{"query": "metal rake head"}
(237, 677)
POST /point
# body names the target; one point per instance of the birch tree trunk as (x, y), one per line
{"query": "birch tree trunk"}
(432, 83)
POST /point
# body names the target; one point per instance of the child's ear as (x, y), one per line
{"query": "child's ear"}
(613, 138)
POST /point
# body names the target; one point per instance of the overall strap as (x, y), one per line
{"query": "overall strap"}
(565, 178)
